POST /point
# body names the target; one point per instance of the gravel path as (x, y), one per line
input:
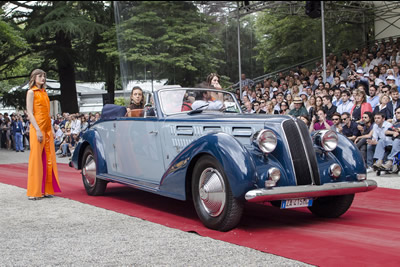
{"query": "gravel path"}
(64, 232)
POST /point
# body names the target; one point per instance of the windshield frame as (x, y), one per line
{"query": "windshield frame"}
(162, 105)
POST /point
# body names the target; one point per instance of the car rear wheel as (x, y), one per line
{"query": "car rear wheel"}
(214, 202)
(93, 185)
(332, 206)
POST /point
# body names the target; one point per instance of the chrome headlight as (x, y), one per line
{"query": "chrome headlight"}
(335, 170)
(327, 139)
(274, 174)
(266, 141)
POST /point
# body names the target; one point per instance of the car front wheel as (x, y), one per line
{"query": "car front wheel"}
(332, 206)
(214, 202)
(93, 185)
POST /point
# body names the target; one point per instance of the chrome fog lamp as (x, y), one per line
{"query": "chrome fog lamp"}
(335, 170)
(328, 140)
(267, 141)
(274, 174)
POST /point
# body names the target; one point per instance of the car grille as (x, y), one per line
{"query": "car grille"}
(302, 152)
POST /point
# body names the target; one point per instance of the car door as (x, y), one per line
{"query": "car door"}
(138, 149)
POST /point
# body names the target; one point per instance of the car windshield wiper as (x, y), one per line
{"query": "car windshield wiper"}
(199, 109)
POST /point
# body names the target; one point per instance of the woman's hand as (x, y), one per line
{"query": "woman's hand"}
(39, 136)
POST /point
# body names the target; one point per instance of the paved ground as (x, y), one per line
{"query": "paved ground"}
(63, 232)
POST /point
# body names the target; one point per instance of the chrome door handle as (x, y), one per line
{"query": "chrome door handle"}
(153, 132)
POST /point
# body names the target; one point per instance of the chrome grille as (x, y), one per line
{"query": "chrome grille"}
(302, 152)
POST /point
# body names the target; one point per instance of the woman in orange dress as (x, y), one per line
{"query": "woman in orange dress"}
(42, 170)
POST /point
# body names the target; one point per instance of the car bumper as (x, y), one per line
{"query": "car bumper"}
(288, 192)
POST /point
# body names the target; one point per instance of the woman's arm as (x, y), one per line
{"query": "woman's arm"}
(29, 109)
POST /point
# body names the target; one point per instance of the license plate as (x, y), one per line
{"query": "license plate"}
(296, 203)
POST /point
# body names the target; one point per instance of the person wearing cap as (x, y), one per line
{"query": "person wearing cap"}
(299, 108)
(360, 79)
(390, 80)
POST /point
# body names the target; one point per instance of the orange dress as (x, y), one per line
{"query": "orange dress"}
(42, 169)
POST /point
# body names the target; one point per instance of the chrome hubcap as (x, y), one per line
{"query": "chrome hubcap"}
(212, 191)
(89, 170)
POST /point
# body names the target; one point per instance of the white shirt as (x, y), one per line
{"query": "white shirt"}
(379, 132)
(76, 126)
(212, 105)
(345, 107)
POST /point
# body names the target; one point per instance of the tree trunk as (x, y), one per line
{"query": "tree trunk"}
(110, 82)
(66, 73)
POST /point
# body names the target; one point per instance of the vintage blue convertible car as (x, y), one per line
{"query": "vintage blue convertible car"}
(196, 144)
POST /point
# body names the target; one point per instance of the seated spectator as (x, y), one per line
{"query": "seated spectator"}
(284, 108)
(299, 108)
(269, 106)
(59, 136)
(248, 107)
(360, 105)
(337, 125)
(373, 98)
(346, 104)
(305, 120)
(328, 106)
(319, 122)
(378, 136)
(365, 128)
(382, 107)
(393, 104)
(394, 131)
(349, 127)
(257, 108)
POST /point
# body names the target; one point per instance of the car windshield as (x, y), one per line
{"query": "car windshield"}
(196, 101)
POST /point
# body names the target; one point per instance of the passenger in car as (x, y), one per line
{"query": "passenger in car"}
(204, 101)
(136, 100)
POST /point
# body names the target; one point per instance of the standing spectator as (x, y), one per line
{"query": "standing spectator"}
(42, 158)
(18, 131)
(244, 81)
(6, 128)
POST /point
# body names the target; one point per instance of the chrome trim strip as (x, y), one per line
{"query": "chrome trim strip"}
(288, 192)
(305, 150)
(287, 147)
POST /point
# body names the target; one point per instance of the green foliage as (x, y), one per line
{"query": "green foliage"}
(288, 40)
(120, 101)
(172, 39)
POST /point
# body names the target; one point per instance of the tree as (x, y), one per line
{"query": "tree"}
(170, 39)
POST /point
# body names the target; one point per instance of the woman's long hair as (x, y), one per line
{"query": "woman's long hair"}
(32, 80)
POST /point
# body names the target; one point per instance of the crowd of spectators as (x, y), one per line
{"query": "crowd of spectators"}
(359, 98)
(14, 131)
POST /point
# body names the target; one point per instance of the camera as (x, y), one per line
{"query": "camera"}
(361, 123)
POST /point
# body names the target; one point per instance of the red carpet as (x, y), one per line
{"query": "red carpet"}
(367, 235)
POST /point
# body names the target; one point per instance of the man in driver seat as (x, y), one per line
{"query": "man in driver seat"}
(204, 101)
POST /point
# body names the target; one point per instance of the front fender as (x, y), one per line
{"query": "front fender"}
(90, 138)
(234, 158)
(350, 158)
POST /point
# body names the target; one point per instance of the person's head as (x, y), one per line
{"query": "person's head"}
(336, 118)
(379, 118)
(390, 80)
(397, 114)
(269, 105)
(283, 106)
(372, 90)
(38, 79)
(385, 89)
(327, 100)
(263, 103)
(137, 95)
(321, 114)
(248, 106)
(305, 119)
(337, 93)
(318, 101)
(243, 76)
(256, 106)
(345, 95)
(213, 79)
(384, 99)
(279, 97)
(345, 118)
(394, 94)
(368, 117)
(359, 96)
